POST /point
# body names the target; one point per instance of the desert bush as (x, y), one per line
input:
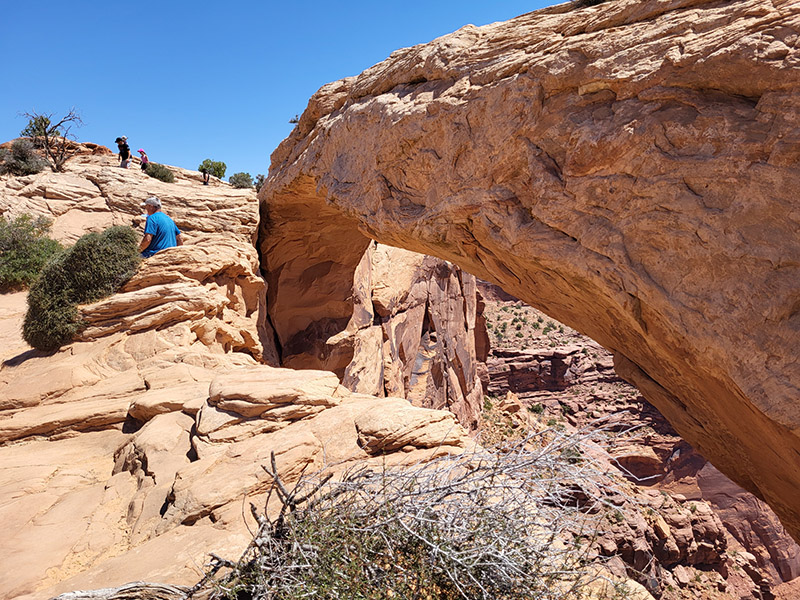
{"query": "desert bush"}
(37, 127)
(241, 180)
(24, 250)
(95, 267)
(502, 524)
(214, 167)
(21, 159)
(260, 181)
(160, 172)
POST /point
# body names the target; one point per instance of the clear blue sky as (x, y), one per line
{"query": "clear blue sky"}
(193, 80)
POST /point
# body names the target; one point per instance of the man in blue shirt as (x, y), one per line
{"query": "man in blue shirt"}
(159, 231)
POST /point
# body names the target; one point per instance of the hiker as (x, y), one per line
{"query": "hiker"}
(124, 151)
(206, 176)
(159, 231)
(145, 160)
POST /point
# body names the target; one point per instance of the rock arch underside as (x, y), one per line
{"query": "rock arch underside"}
(630, 169)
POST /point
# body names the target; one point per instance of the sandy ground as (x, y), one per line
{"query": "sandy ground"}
(12, 312)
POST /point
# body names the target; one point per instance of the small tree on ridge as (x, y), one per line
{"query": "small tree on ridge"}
(241, 180)
(214, 167)
(37, 127)
(53, 137)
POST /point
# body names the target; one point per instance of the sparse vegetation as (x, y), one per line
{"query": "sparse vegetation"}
(514, 325)
(241, 180)
(21, 159)
(481, 525)
(24, 250)
(214, 167)
(160, 172)
(95, 267)
(260, 181)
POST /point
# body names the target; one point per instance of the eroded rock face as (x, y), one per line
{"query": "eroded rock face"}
(392, 323)
(133, 450)
(412, 333)
(629, 168)
(93, 193)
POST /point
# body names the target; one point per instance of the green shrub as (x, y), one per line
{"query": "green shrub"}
(38, 126)
(24, 250)
(241, 180)
(160, 172)
(536, 408)
(214, 167)
(21, 159)
(95, 267)
(260, 181)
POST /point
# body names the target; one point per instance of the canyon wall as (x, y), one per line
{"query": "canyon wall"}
(401, 324)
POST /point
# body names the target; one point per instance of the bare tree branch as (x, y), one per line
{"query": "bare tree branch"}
(500, 524)
(55, 139)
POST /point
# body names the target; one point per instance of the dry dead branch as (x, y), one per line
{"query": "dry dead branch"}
(516, 523)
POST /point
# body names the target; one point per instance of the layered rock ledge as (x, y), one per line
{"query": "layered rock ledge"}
(628, 168)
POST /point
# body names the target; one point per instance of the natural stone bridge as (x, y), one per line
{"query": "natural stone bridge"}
(631, 169)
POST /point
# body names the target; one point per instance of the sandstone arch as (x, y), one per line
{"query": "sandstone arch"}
(630, 168)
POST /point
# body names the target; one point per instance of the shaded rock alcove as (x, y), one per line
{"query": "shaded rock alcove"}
(629, 168)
